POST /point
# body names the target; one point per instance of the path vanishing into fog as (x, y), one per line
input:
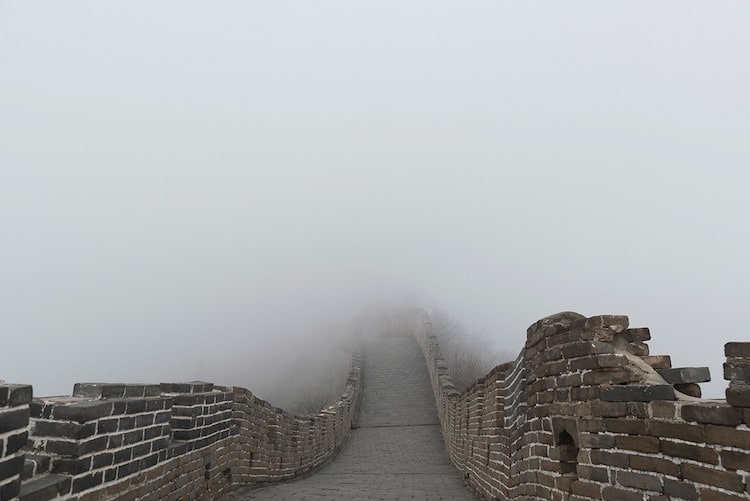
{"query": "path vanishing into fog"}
(397, 452)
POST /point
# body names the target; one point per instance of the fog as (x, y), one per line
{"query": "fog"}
(193, 190)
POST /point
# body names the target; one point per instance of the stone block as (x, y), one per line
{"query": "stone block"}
(738, 395)
(83, 412)
(189, 387)
(690, 389)
(14, 418)
(658, 361)
(637, 335)
(684, 375)
(689, 451)
(726, 480)
(741, 350)
(62, 429)
(680, 490)
(637, 393)
(14, 395)
(617, 323)
(611, 493)
(10, 490)
(638, 480)
(737, 372)
(735, 460)
(712, 413)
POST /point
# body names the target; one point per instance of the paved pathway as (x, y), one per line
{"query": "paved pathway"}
(397, 453)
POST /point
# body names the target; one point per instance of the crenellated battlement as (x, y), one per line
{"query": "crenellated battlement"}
(586, 411)
(157, 441)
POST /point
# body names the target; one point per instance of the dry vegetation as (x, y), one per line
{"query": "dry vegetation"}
(469, 354)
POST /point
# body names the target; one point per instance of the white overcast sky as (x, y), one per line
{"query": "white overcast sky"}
(189, 188)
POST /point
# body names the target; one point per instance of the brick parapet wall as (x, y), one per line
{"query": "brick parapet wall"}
(582, 414)
(168, 441)
(14, 423)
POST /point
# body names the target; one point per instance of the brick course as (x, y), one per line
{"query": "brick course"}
(586, 413)
(169, 441)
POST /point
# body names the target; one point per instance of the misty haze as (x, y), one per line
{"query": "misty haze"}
(233, 192)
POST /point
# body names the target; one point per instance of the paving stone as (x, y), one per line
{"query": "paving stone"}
(397, 452)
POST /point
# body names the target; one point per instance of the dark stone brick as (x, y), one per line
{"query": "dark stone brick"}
(587, 489)
(115, 441)
(741, 350)
(643, 481)
(712, 495)
(123, 455)
(144, 420)
(98, 390)
(152, 390)
(106, 425)
(725, 435)
(738, 395)
(62, 429)
(128, 469)
(110, 474)
(162, 417)
(681, 490)
(688, 451)
(611, 493)
(735, 460)
(93, 445)
(159, 444)
(135, 391)
(61, 447)
(637, 335)
(712, 413)
(739, 372)
(15, 395)
(132, 437)
(149, 461)
(691, 389)
(72, 466)
(155, 404)
(637, 393)
(153, 432)
(135, 406)
(617, 323)
(141, 450)
(685, 375)
(189, 387)
(15, 442)
(14, 419)
(11, 467)
(187, 411)
(87, 482)
(658, 361)
(605, 458)
(127, 423)
(10, 490)
(637, 443)
(726, 480)
(103, 459)
(83, 411)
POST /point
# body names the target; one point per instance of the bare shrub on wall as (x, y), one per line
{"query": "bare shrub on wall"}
(468, 354)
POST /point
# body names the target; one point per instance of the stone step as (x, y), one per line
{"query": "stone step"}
(44, 488)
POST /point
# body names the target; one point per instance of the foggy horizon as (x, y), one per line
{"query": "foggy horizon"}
(193, 191)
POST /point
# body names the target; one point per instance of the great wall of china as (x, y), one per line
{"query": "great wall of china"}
(584, 412)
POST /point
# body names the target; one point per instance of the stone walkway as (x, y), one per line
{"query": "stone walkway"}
(397, 453)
